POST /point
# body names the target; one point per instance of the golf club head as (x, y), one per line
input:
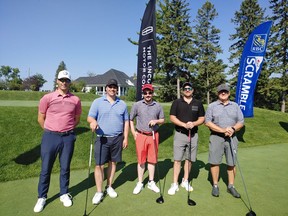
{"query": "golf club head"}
(160, 200)
(191, 202)
(251, 213)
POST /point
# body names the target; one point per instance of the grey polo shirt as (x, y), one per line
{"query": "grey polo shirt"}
(144, 113)
(224, 115)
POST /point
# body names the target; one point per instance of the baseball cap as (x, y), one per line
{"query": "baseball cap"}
(223, 87)
(187, 84)
(64, 74)
(112, 82)
(147, 86)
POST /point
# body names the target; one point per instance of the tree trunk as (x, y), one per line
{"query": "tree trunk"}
(178, 87)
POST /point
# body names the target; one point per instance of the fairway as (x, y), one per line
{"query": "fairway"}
(264, 169)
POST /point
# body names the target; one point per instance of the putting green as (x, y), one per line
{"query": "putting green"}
(264, 169)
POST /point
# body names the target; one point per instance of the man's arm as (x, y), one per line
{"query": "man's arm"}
(41, 119)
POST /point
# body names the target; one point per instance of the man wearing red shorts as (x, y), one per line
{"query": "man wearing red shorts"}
(148, 113)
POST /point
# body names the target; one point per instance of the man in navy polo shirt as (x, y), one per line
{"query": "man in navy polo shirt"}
(186, 114)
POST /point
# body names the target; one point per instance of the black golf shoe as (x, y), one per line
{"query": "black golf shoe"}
(234, 192)
(215, 191)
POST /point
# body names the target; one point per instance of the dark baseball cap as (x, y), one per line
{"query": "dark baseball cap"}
(112, 82)
(187, 84)
(223, 87)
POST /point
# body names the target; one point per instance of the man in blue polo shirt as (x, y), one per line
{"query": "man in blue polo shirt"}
(108, 116)
(186, 113)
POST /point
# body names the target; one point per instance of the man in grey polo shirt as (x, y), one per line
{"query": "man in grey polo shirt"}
(223, 118)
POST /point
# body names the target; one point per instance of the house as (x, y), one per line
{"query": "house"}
(99, 82)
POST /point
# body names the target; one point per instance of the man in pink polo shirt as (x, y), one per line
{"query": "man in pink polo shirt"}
(59, 113)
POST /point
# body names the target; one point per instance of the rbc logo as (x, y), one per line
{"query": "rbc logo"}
(258, 44)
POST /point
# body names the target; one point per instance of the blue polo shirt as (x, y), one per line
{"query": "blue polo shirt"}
(110, 117)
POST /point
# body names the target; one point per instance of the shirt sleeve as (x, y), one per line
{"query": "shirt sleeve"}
(43, 104)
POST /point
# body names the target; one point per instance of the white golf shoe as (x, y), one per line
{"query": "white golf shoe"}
(40, 205)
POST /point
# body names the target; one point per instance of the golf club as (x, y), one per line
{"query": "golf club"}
(89, 167)
(190, 202)
(159, 200)
(233, 150)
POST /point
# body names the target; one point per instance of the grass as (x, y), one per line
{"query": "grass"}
(20, 137)
(262, 166)
(266, 183)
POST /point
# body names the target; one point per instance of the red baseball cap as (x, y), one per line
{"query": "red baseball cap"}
(147, 86)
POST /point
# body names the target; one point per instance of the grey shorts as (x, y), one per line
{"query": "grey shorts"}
(218, 146)
(181, 147)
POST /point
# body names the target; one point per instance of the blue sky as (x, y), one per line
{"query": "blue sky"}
(90, 36)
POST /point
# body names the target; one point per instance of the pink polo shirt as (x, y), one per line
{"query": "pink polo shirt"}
(60, 111)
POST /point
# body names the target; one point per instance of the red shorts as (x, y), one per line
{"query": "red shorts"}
(146, 149)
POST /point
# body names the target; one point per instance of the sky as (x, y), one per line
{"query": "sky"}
(90, 36)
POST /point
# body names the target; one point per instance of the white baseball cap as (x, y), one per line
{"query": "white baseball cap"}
(64, 74)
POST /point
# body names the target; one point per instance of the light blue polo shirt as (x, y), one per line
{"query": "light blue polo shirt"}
(110, 117)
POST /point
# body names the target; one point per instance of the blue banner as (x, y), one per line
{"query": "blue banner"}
(250, 67)
(147, 52)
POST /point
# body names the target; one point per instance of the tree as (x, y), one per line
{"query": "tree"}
(61, 67)
(33, 83)
(210, 71)
(12, 80)
(174, 46)
(249, 16)
(279, 46)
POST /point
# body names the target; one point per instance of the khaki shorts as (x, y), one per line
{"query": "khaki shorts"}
(181, 147)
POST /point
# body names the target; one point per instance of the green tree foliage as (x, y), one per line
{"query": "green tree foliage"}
(78, 86)
(61, 67)
(174, 47)
(279, 49)
(131, 94)
(12, 80)
(246, 19)
(33, 83)
(210, 70)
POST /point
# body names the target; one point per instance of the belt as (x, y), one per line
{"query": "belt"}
(65, 133)
(219, 134)
(103, 135)
(145, 133)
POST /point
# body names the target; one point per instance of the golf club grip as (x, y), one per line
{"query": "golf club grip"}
(90, 154)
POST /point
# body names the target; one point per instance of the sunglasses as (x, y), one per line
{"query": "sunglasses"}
(64, 80)
(223, 92)
(147, 93)
(187, 89)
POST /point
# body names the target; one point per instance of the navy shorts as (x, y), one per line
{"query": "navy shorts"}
(108, 149)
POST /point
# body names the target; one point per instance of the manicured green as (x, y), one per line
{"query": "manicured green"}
(263, 168)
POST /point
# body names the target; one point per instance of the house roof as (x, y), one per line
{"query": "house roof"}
(122, 79)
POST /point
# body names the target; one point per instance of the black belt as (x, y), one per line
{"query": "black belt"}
(65, 133)
(145, 133)
(185, 132)
(218, 134)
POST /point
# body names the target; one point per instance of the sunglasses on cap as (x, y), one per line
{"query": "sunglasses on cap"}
(64, 80)
(112, 87)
